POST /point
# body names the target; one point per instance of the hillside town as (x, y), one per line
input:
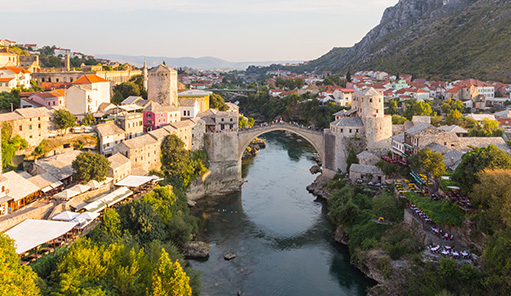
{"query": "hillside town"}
(382, 125)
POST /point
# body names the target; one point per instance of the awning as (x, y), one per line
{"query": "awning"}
(46, 189)
(32, 233)
(136, 181)
(65, 216)
(68, 193)
(108, 200)
(408, 146)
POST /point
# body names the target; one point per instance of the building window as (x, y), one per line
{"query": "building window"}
(21, 127)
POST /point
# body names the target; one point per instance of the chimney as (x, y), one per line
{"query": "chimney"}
(67, 63)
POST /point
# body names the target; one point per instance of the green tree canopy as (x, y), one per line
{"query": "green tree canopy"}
(428, 161)
(477, 160)
(397, 119)
(169, 279)
(64, 119)
(451, 105)
(117, 98)
(392, 107)
(127, 89)
(10, 145)
(90, 166)
(217, 102)
(418, 108)
(246, 121)
(388, 207)
(15, 279)
(489, 128)
(174, 158)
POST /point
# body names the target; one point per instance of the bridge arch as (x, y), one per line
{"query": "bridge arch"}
(315, 138)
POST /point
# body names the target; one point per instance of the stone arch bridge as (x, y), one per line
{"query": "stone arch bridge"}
(225, 149)
(314, 137)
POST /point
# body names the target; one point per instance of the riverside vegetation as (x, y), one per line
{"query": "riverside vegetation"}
(135, 250)
(394, 254)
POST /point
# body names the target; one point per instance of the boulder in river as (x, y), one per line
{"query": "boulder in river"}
(196, 250)
(315, 169)
(229, 256)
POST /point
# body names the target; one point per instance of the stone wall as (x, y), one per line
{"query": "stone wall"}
(378, 132)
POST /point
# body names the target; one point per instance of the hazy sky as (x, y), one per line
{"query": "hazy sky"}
(235, 30)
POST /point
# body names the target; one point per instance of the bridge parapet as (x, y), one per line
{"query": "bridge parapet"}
(280, 125)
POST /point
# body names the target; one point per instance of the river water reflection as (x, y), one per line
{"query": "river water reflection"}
(278, 231)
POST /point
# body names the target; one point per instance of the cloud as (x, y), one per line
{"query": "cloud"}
(331, 7)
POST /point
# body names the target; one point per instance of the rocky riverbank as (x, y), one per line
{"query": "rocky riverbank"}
(376, 263)
(252, 149)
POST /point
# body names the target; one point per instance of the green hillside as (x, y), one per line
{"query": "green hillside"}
(443, 41)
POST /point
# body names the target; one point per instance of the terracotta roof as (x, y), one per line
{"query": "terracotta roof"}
(88, 79)
(16, 70)
(6, 79)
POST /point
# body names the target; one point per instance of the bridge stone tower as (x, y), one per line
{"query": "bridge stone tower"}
(377, 125)
(162, 85)
(365, 126)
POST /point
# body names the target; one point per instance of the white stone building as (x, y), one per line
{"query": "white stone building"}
(86, 95)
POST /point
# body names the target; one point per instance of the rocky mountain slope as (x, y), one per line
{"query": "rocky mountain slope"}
(435, 39)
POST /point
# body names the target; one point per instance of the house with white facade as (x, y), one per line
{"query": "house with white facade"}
(86, 95)
(21, 76)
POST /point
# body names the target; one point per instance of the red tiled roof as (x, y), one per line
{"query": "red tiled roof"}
(16, 70)
(6, 79)
(88, 79)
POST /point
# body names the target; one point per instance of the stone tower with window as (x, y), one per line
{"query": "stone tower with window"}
(378, 126)
(162, 85)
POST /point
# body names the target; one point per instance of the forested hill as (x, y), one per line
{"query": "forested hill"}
(434, 39)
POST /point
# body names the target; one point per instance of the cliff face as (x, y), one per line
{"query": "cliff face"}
(434, 37)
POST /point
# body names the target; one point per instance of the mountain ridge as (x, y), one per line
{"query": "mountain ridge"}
(434, 39)
(202, 63)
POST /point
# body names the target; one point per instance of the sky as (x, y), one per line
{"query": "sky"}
(234, 30)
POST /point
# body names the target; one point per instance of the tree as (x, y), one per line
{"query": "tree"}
(418, 108)
(90, 166)
(348, 76)
(388, 207)
(217, 102)
(246, 121)
(351, 159)
(397, 119)
(169, 279)
(127, 89)
(109, 229)
(477, 160)
(10, 145)
(451, 105)
(428, 161)
(117, 98)
(174, 158)
(15, 279)
(64, 119)
(392, 107)
(490, 128)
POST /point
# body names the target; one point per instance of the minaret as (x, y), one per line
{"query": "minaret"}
(144, 76)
